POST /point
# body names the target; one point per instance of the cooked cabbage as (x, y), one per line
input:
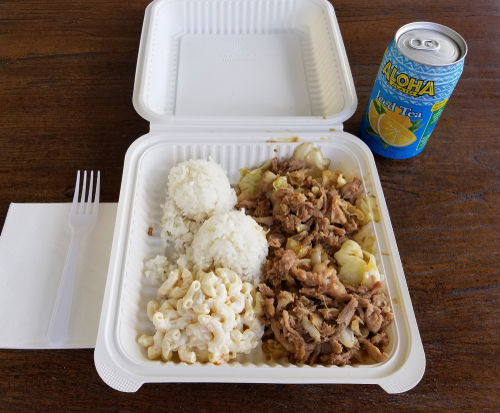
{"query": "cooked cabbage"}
(371, 275)
(278, 183)
(347, 338)
(250, 180)
(307, 152)
(355, 326)
(333, 178)
(268, 176)
(356, 267)
(350, 209)
(341, 181)
(330, 178)
(365, 239)
(300, 250)
(313, 332)
(368, 205)
(352, 265)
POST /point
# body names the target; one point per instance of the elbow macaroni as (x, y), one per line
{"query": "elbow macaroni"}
(204, 317)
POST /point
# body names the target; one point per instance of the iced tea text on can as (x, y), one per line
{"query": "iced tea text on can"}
(418, 73)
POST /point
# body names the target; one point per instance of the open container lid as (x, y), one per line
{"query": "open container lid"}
(243, 65)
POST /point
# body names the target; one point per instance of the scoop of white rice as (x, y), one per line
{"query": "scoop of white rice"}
(158, 269)
(177, 230)
(234, 241)
(200, 189)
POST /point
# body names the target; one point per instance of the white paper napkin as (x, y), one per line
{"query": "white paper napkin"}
(33, 248)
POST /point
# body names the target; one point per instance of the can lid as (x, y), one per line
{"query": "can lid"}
(431, 44)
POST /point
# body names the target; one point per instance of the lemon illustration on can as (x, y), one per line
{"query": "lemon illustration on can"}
(390, 126)
(373, 115)
(393, 132)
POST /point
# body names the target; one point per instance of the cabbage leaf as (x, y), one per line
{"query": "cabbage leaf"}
(368, 205)
(250, 180)
(365, 239)
(356, 266)
(278, 183)
(307, 152)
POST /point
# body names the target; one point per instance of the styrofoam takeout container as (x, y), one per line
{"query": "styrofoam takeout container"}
(241, 81)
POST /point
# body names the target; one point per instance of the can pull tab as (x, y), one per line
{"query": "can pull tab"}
(424, 44)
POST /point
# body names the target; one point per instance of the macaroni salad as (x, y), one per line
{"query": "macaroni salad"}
(203, 317)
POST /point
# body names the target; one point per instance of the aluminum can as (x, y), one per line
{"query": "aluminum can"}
(417, 76)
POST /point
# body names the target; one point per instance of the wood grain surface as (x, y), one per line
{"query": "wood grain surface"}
(66, 80)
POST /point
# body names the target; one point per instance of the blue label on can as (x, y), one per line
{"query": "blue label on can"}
(406, 103)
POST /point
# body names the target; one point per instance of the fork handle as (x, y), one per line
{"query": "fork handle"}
(59, 323)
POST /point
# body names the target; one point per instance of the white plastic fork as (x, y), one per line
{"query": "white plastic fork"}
(82, 219)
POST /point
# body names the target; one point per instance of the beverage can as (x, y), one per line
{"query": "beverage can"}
(417, 76)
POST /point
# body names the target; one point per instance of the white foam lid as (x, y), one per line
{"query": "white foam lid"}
(243, 64)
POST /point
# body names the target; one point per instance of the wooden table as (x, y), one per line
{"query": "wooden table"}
(66, 79)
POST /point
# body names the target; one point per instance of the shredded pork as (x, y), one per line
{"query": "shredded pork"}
(307, 309)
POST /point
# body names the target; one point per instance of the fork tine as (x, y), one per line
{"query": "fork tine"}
(96, 197)
(77, 189)
(89, 197)
(82, 199)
